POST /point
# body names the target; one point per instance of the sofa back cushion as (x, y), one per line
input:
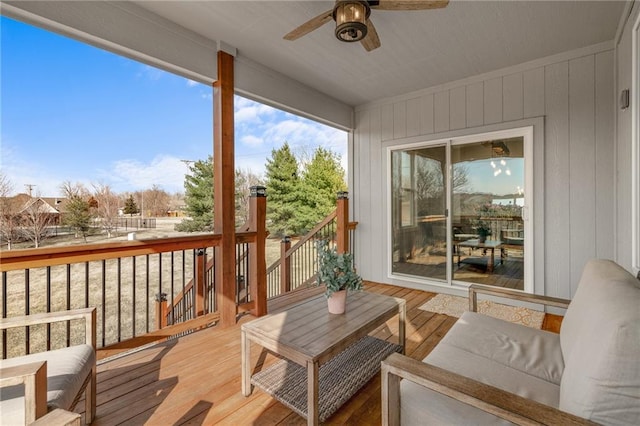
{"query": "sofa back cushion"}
(600, 342)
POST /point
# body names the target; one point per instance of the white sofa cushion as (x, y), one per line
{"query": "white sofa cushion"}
(511, 357)
(534, 352)
(600, 339)
(67, 370)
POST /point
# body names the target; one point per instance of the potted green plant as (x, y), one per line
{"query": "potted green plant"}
(337, 274)
(483, 230)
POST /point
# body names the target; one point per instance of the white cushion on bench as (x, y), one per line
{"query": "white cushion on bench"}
(509, 356)
(67, 370)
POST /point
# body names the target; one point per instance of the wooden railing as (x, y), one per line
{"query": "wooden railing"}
(144, 290)
(120, 279)
(184, 307)
(298, 264)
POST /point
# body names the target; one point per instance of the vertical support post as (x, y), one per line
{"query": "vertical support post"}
(342, 217)
(200, 281)
(224, 221)
(161, 311)
(257, 250)
(285, 265)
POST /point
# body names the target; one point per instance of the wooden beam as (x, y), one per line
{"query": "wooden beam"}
(224, 221)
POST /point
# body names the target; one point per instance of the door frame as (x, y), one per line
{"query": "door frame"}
(532, 162)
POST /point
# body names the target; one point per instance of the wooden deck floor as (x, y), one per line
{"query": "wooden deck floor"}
(195, 379)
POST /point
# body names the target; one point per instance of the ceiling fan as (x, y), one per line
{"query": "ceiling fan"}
(352, 19)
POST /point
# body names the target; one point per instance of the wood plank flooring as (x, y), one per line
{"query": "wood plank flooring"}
(195, 380)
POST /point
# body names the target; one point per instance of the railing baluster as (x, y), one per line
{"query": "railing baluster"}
(184, 302)
(68, 303)
(146, 293)
(173, 306)
(4, 313)
(133, 297)
(48, 301)
(26, 308)
(86, 284)
(118, 302)
(104, 302)
(158, 305)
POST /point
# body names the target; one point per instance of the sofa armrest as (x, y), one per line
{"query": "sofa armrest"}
(34, 378)
(498, 402)
(474, 290)
(88, 314)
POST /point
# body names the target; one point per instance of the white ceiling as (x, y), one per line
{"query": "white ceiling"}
(420, 49)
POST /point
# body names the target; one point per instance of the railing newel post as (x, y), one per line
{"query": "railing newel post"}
(342, 218)
(285, 265)
(161, 310)
(257, 250)
(200, 282)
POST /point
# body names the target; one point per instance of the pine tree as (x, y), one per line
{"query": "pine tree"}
(77, 209)
(130, 206)
(322, 179)
(78, 215)
(198, 187)
(283, 191)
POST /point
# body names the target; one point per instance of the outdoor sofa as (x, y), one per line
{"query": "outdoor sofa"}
(45, 386)
(489, 371)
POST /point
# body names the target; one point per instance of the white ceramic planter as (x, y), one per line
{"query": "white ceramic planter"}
(337, 302)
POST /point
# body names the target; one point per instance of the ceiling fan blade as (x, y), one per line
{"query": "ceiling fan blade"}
(408, 4)
(310, 25)
(371, 40)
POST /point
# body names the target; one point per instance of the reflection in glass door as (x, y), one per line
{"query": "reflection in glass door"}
(486, 224)
(419, 202)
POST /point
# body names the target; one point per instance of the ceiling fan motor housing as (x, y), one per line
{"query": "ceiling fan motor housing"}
(351, 19)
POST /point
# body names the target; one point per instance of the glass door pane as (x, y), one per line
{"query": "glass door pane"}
(419, 223)
(487, 200)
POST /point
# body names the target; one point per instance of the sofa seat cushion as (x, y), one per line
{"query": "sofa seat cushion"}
(67, 370)
(508, 356)
(534, 352)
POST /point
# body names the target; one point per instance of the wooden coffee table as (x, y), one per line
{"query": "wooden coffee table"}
(490, 245)
(333, 351)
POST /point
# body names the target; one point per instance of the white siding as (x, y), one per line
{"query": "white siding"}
(574, 95)
(512, 97)
(582, 182)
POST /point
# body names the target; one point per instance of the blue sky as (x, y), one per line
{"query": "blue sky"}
(72, 112)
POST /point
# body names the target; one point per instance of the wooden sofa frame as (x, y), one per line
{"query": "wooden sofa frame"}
(34, 375)
(490, 399)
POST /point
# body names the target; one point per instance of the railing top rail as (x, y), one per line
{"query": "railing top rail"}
(11, 260)
(311, 233)
(51, 256)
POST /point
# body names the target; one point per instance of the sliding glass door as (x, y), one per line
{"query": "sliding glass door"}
(458, 210)
(419, 212)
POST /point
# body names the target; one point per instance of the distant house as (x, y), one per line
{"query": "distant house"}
(58, 203)
(20, 206)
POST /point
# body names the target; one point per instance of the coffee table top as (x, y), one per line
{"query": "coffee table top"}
(308, 332)
(478, 244)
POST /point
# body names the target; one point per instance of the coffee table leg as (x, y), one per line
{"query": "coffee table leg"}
(312, 393)
(491, 260)
(246, 363)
